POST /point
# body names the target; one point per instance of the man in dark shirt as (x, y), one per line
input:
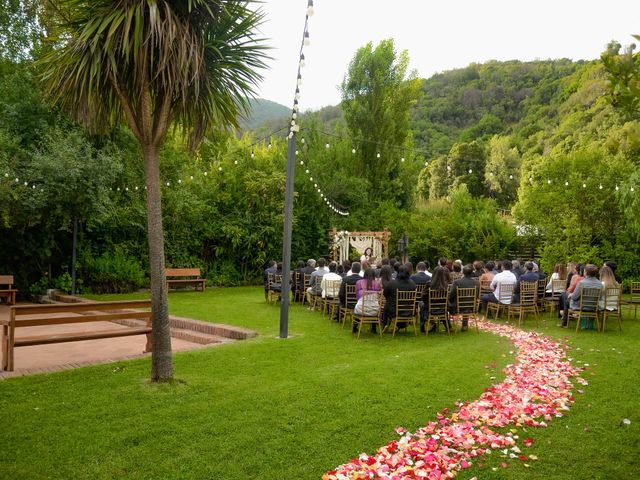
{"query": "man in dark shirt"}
(402, 282)
(528, 276)
(421, 277)
(309, 269)
(349, 280)
(271, 269)
(466, 281)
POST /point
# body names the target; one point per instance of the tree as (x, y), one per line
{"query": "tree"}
(377, 95)
(502, 171)
(623, 70)
(154, 63)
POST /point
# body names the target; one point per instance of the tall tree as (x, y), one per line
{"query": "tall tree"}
(623, 70)
(378, 92)
(153, 63)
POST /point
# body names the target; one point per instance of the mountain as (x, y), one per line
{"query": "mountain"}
(264, 111)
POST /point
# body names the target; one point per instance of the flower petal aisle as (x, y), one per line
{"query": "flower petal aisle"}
(536, 389)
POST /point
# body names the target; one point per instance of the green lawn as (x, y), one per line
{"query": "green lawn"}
(268, 408)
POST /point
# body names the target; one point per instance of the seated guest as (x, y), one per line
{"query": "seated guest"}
(571, 271)
(614, 266)
(590, 280)
(386, 275)
(409, 266)
(295, 285)
(421, 277)
(340, 271)
(516, 270)
(403, 283)
(536, 269)
(505, 277)
(351, 279)
(528, 276)
(315, 287)
(346, 265)
(467, 281)
(608, 279)
(271, 269)
(559, 273)
(368, 283)
(457, 271)
(439, 281)
(308, 270)
(478, 269)
(563, 300)
(327, 277)
(487, 273)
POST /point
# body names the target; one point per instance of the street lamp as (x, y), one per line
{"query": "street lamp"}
(403, 247)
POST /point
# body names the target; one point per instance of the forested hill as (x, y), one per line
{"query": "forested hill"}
(264, 111)
(473, 103)
(482, 100)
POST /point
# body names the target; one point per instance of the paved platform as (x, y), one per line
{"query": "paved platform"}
(63, 356)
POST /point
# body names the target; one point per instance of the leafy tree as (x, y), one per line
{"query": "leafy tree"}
(502, 171)
(377, 95)
(151, 64)
(623, 70)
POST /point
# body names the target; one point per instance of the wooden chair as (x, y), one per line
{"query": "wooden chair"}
(528, 302)
(467, 305)
(438, 310)
(541, 285)
(485, 287)
(505, 298)
(331, 302)
(453, 276)
(346, 309)
(611, 305)
(405, 310)
(634, 299)
(589, 300)
(302, 294)
(274, 287)
(368, 316)
(552, 300)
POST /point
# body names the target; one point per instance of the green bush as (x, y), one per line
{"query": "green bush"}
(113, 273)
(40, 287)
(64, 282)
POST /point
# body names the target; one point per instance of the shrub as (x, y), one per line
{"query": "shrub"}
(113, 273)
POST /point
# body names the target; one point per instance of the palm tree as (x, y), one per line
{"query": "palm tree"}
(154, 63)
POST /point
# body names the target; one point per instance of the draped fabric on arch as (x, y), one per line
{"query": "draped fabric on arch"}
(343, 241)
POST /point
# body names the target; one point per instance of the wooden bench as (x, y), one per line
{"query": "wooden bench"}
(59, 314)
(8, 292)
(186, 276)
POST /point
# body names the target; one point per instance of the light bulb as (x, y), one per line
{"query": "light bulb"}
(353, 150)
(306, 41)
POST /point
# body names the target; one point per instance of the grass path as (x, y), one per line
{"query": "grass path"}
(272, 409)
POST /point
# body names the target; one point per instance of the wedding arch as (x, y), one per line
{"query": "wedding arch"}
(342, 242)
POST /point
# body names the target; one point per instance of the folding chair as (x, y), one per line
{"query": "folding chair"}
(370, 312)
(346, 309)
(467, 304)
(589, 300)
(528, 302)
(612, 306)
(552, 300)
(405, 310)
(504, 299)
(437, 310)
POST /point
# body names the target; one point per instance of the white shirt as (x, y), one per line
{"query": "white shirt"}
(502, 278)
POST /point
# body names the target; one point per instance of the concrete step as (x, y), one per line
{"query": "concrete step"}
(193, 331)
(198, 337)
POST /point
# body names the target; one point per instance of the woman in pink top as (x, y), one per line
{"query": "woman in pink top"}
(368, 282)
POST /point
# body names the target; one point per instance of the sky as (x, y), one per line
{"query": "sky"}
(438, 35)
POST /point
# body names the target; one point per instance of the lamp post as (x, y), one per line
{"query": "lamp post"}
(403, 247)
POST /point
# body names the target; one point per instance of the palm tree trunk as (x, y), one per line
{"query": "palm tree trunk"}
(161, 358)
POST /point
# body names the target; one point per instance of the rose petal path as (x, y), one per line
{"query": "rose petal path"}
(536, 389)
